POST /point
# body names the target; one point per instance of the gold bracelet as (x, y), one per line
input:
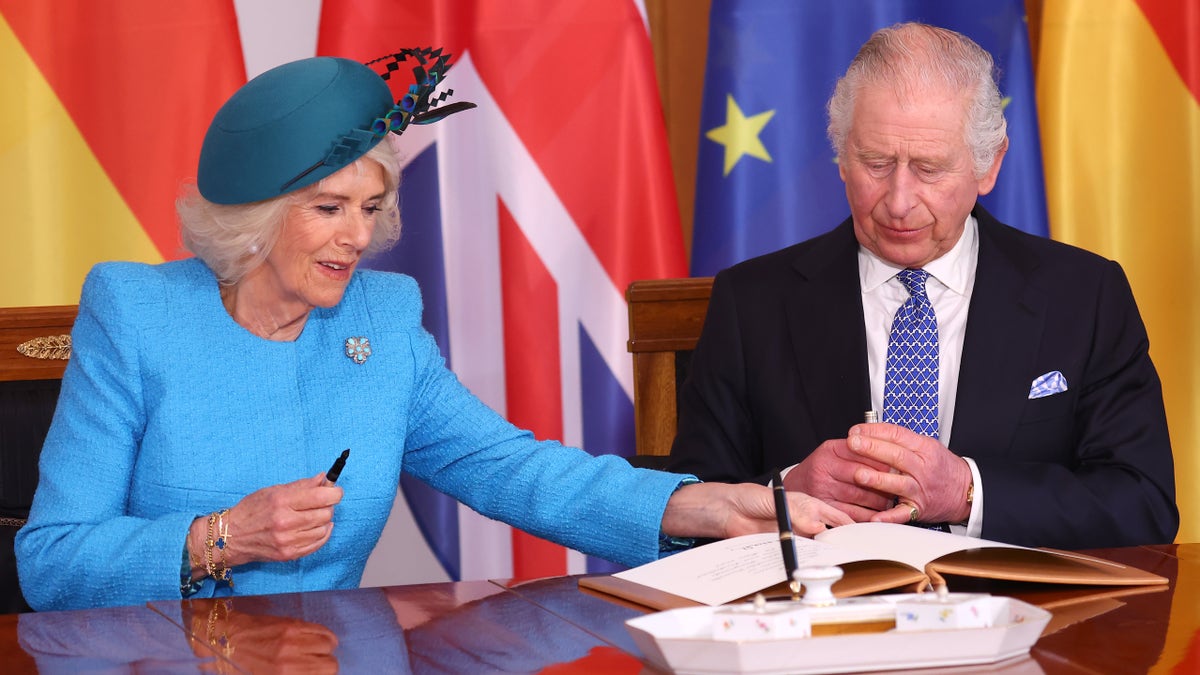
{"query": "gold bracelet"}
(226, 574)
(218, 537)
(208, 547)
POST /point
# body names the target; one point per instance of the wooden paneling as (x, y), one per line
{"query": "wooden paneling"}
(20, 324)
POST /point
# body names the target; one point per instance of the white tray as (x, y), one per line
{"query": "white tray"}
(680, 640)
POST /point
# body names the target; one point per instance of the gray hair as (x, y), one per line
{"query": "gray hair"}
(907, 55)
(233, 239)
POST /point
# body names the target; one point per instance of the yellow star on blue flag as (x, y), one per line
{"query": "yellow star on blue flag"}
(739, 134)
(784, 57)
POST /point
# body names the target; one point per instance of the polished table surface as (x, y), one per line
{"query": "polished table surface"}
(549, 626)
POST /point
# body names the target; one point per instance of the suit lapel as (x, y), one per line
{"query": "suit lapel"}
(1004, 327)
(831, 349)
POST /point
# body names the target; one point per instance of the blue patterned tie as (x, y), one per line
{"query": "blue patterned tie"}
(910, 387)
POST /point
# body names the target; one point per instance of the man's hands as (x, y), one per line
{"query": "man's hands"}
(879, 463)
(828, 474)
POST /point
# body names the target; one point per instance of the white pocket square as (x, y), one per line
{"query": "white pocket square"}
(1049, 384)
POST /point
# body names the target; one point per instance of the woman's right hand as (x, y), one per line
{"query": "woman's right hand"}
(276, 523)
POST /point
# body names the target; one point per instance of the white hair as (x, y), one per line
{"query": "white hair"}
(907, 56)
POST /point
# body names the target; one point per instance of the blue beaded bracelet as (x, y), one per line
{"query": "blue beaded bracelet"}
(187, 585)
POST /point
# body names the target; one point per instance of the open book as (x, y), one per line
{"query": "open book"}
(873, 556)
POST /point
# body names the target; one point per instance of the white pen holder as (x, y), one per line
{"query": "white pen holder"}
(818, 585)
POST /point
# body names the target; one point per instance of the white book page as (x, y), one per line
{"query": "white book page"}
(914, 546)
(716, 573)
(726, 570)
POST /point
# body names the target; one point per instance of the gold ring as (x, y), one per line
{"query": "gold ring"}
(914, 512)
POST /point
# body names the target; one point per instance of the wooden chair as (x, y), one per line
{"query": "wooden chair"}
(34, 347)
(665, 318)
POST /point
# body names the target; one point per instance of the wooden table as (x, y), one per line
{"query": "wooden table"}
(547, 625)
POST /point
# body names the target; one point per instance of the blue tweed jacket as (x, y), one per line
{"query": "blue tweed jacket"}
(169, 410)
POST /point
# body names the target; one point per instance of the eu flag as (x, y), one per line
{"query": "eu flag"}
(766, 175)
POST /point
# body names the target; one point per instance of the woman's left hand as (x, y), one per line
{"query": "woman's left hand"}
(721, 510)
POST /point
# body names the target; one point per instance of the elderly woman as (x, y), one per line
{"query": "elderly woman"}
(206, 398)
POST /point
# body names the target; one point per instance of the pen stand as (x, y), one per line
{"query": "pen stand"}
(761, 620)
(818, 585)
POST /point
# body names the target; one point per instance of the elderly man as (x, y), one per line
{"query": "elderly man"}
(924, 307)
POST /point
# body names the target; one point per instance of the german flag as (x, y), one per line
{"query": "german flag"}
(1118, 83)
(102, 113)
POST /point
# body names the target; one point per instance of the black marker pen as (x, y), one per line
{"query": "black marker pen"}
(336, 469)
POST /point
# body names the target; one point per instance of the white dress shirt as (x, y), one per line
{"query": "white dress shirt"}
(951, 280)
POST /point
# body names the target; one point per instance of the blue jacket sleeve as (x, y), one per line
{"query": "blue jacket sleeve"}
(599, 505)
(80, 548)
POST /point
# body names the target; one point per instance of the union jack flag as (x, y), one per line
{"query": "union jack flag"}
(525, 219)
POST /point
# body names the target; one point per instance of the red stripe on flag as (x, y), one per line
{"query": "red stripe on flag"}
(1177, 25)
(576, 80)
(533, 385)
(141, 79)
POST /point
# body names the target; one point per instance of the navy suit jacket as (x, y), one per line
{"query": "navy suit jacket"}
(781, 366)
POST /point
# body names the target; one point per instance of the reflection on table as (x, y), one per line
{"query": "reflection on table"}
(117, 639)
(552, 626)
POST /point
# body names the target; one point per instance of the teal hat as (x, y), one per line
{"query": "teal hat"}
(300, 122)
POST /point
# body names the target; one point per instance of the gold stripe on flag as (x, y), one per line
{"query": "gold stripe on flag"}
(1121, 140)
(61, 211)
